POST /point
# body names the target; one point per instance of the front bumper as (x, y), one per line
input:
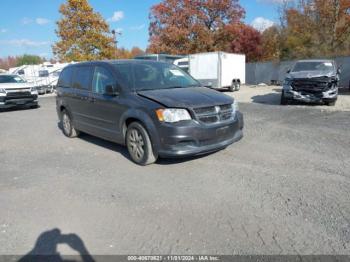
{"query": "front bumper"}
(311, 97)
(5, 102)
(192, 138)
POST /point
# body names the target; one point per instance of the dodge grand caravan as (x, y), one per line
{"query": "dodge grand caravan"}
(153, 108)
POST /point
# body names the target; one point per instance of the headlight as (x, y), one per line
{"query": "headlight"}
(2, 91)
(172, 115)
(235, 107)
(33, 89)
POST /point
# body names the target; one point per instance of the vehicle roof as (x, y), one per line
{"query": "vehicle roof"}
(5, 74)
(121, 61)
(317, 60)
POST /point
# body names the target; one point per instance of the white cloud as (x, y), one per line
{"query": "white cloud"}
(117, 16)
(138, 27)
(24, 43)
(261, 24)
(3, 30)
(42, 21)
(26, 21)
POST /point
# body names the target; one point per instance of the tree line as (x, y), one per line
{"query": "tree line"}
(307, 29)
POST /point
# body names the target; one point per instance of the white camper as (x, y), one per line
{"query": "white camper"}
(44, 76)
(217, 69)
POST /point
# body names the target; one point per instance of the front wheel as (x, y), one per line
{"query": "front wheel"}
(331, 103)
(139, 145)
(67, 125)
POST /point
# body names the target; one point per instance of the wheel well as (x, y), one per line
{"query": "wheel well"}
(127, 122)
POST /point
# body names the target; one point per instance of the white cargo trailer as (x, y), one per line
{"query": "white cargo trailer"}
(218, 69)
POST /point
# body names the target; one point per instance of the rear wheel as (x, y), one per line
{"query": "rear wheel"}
(237, 86)
(139, 145)
(67, 125)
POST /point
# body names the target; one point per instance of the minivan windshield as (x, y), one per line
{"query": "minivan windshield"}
(153, 76)
(313, 66)
(10, 79)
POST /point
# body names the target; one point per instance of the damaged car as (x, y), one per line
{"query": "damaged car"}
(312, 81)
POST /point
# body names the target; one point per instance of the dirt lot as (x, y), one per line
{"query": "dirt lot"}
(283, 189)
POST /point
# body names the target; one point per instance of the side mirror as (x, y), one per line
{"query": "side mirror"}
(339, 70)
(110, 90)
(288, 71)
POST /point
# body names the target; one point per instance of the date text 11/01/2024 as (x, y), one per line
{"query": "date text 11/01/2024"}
(173, 258)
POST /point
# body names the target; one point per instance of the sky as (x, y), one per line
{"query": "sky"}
(28, 26)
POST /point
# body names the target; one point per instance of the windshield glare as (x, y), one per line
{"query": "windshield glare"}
(152, 76)
(11, 79)
(313, 66)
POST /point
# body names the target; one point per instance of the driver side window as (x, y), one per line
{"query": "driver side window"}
(102, 78)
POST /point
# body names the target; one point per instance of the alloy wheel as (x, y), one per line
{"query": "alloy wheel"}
(136, 144)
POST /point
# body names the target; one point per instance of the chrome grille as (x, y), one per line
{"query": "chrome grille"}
(213, 114)
(311, 85)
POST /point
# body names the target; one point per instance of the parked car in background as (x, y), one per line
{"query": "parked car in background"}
(217, 70)
(153, 108)
(15, 91)
(313, 81)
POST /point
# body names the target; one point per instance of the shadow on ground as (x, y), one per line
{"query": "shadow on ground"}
(18, 108)
(124, 152)
(46, 245)
(268, 99)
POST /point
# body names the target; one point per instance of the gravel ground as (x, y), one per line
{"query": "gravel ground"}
(271, 95)
(283, 189)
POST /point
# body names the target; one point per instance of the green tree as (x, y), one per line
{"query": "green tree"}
(83, 34)
(29, 60)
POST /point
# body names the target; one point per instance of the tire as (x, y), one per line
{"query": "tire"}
(139, 145)
(284, 100)
(67, 125)
(34, 106)
(331, 103)
(231, 88)
(235, 86)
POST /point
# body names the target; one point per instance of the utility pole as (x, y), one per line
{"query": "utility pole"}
(115, 33)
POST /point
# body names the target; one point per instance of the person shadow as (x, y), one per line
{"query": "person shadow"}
(45, 248)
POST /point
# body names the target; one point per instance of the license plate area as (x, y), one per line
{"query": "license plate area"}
(222, 131)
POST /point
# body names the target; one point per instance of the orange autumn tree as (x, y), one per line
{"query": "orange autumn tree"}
(83, 34)
(192, 26)
(315, 28)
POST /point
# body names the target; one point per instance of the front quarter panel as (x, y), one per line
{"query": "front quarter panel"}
(143, 111)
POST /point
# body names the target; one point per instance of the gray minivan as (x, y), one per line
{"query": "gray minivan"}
(153, 108)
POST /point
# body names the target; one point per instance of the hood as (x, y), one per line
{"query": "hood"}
(187, 97)
(310, 74)
(10, 86)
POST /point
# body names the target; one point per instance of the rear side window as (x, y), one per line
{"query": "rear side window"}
(65, 78)
(82, 77)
